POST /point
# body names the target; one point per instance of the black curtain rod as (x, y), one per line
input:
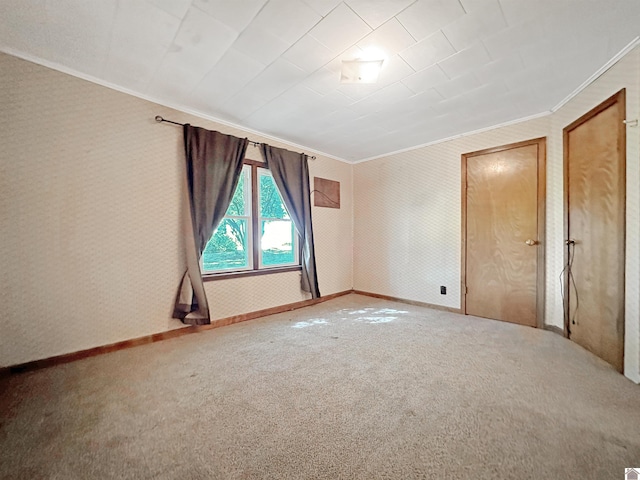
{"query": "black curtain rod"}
(255, 144)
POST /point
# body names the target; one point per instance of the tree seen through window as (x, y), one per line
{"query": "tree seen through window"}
(234, 245)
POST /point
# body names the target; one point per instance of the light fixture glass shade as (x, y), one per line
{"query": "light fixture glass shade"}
(360, 71)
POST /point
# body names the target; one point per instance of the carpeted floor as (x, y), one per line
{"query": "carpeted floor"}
(352, 388)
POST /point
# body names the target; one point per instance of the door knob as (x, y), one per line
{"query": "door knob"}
(530, 242)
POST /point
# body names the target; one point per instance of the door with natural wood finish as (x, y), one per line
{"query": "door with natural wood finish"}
(595, 147)
(503, 207)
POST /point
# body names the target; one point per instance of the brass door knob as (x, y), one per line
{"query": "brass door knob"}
(530, 242)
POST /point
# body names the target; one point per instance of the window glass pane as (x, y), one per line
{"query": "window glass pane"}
(277, 242)
(228, 248)
(271, 205)
(240, 204)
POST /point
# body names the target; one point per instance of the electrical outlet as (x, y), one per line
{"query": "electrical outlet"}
(443, 290)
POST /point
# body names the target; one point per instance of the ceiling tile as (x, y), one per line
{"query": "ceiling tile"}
(322, 81)
(301, 95)
(393, 70)
(177, 8)
(357, 92)
(275, 79)
(343, 117)
(498, 69)
(79, 41)
(323, 7)
(286, 19)
(619, 39)
(260, 45)
(583, 62)
(336, 100)
(200, 42)
(465, 61)
(141, 36)
(426, 17)
(475, 5)
(377, 12)
(352, 53)
(236, 15)
(24, 27)
(308, 54)
(405, 114)
(327, 104)
(458, 86)
(340, 29)
(425, 79)
(493, 116)
(507, 41)
(226, 78)
(281, 74)
(467, 30)
(384, 98)
(622, 26)
(519, 11)
(390, 95)
(426, 99)
(527, 101)
(485, 97)
(428, 52)
(367, 106)
(273, 116)
(531, 77)
(172, 81)
(390, 38)
(241, 105)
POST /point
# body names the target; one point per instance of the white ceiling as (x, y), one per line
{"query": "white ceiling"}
(272, 66)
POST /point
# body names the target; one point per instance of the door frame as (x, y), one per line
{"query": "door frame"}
(619, 96)
(541, 218)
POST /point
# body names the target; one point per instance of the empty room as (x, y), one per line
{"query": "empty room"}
(320, 239)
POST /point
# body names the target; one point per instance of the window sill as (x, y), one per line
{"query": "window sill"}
(209, 277)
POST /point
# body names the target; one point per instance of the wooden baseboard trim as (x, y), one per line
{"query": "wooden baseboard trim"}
(156, 337)
(410, 302)
(554, 329)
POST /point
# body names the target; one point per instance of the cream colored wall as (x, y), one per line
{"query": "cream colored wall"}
(89, 212)
(408, 217)
(407, 212)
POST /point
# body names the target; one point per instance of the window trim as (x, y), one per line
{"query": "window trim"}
(209, 276)
(255, 269)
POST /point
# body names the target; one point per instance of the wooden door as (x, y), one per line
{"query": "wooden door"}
(594, 150)
(503, 232)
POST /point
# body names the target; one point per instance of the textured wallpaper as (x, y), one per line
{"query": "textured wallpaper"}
(90, 187)
(89, 210)
(407, 212)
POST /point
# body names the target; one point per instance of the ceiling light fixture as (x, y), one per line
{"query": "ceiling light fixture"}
(360, 71)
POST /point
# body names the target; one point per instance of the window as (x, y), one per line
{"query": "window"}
(256, 233)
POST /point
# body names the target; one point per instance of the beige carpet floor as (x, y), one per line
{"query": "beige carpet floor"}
(352, 388)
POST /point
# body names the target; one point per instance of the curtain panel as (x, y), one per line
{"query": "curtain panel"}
(290, 173)
(214, 163)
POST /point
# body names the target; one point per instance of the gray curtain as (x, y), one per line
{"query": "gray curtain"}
(290, 172)
(214, 163)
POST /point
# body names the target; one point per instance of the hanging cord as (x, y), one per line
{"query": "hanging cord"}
(326, 196)
(571, 245)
